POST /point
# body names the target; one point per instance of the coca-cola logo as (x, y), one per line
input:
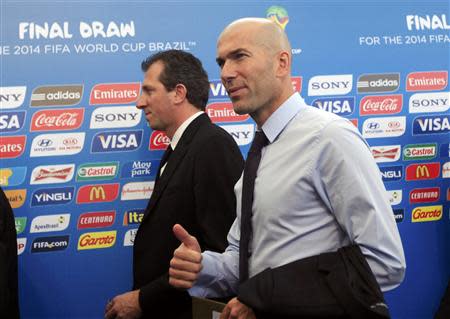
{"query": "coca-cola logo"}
(53, 120)
(381, 104)
(158, 141)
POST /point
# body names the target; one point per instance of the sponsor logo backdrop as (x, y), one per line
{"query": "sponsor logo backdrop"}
(78, 161)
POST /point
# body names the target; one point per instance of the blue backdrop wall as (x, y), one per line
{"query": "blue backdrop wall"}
(78, 160)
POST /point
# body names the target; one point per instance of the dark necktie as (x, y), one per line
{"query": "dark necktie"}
(248, 185)
(164, 160)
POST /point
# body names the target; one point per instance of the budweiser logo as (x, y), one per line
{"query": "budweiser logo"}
(386, 104)
(388, 153)
(68, 119)
(159, 141)
(59, 174)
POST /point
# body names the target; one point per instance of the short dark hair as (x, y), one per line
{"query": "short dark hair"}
(181, 67)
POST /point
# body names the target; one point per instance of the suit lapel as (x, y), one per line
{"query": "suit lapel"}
(175, 159)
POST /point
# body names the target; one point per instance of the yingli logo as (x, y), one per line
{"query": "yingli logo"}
(53, 120)
(97, 193)
(427, 81)
(381, 104)
(423, 171)
(158, 141)
(223, 112)
(12, 146)
(427, 213)
(115, 93)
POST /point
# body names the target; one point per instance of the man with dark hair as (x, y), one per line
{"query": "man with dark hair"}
(194, 186)
(9, 301)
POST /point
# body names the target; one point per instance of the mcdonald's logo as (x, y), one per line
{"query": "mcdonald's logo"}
(98, 193)
(423, 171)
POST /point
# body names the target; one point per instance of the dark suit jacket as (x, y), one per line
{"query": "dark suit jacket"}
(330, 285)
(9, 302)
(196, 191)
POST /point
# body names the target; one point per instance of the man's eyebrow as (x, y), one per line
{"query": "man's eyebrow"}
(220, 60)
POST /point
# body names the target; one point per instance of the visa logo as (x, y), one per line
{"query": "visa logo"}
(217, 90)
(116, 141)
(11, 121)
(436, 124)
(340, 105)
(391, 173)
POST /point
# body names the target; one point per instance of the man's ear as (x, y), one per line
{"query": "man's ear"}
(180, 93)
(284, 64)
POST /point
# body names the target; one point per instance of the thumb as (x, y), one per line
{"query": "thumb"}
(182, 235)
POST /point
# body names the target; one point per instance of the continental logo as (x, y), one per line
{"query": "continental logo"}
(97, 240)
(12, 176)
(423, 171)
(426, 213)
(16, 197)
(115, 93)
(57, 95)
(374, 83)
(97, 193)
(419, 151)
(133, 217)
(279, 15)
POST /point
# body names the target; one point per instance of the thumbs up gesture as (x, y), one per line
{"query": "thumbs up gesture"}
(187, 260)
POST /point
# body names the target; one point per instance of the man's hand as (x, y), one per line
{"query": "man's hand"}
(125, 306)
(237, 310)
(187, 260)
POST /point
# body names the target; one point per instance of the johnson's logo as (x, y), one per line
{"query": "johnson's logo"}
(11, 122)
(427, 81)
(57, 120)
(97, 240)
(158, 141)
(114, 93)
(424, 195)
(97, 193)
(426, 213)
(137, 190)
(96, 219)
(223, 112)
(12, 146)
(423, 171)
(381, 104)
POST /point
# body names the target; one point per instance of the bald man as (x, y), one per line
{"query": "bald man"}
(322, 226)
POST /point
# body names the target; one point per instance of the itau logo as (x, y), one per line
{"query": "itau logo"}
(279, 15)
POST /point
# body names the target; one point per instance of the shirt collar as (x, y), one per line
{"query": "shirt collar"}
(180, 130)
(279, 119)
